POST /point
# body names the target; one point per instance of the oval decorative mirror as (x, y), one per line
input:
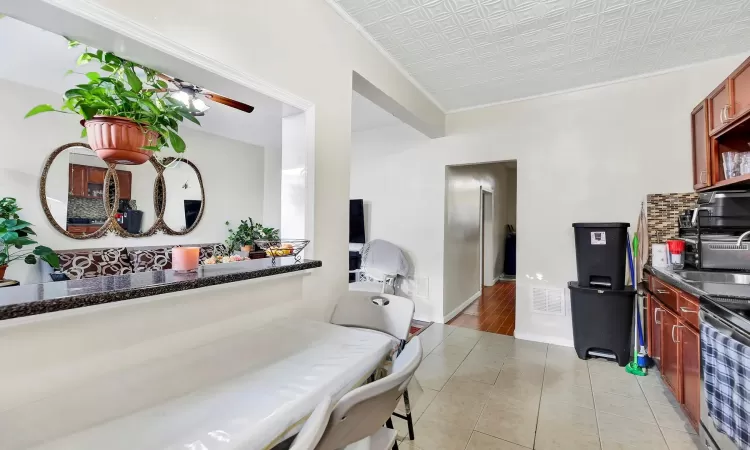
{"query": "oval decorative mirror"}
(84, 197)
(72, 192)
(134, 200)
(184, 199)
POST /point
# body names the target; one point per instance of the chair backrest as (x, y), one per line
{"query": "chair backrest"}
(386, 313)
(363, 411)
(308, 438)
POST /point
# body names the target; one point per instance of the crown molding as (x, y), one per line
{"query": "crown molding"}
(345, 15)
(591, 86)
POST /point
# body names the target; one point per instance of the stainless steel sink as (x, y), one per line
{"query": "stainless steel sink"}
(713, 277)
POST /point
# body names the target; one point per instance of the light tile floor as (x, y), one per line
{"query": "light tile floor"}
(485, 391)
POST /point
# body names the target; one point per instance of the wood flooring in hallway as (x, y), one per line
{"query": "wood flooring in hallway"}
(494, 311)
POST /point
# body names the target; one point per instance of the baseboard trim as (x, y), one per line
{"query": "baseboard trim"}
(461, 307)
(542, 338)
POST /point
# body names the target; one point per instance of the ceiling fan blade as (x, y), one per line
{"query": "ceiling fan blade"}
(229, 102)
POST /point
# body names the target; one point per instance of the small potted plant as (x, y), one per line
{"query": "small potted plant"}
(14, 236)
(244, 237)
(126, 108)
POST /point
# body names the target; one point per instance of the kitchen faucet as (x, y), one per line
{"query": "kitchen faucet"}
(742, 236)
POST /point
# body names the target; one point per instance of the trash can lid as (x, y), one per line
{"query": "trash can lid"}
(601, 225)
(575, 286)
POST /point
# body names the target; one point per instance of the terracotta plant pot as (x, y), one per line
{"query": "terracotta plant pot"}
(247, 248)
(2, 272)
(119, 140)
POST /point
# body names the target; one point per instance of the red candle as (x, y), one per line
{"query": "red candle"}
(185, 258)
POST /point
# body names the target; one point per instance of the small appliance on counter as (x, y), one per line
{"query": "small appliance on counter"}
(601, 305)
(711, 235)
(129, 218)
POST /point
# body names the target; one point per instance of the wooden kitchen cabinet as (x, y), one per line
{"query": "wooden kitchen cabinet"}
(670, 352)
(96, 175)
(654, 328)
(701, 146)
(739, 82)
(77, 181)
(719, 107)
(690, 354)
(126, 184)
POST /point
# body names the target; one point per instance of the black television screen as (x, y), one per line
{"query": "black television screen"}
(356, 222)
(192, 208)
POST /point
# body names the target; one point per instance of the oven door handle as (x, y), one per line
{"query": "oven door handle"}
(725, 327)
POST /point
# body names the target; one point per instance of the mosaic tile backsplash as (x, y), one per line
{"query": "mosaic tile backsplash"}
(89, 208)
(86, 208)
(662, 211)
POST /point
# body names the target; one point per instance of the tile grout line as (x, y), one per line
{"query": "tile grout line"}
(541, 393)
(596, 412)
(658, 425)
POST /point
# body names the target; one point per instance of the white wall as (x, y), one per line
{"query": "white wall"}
(272, 187)
(232, 174)
(590, 155)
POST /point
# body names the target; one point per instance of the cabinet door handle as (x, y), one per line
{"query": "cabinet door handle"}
(722, 116)
(702, 177)
(686, 310)
(662, 291)
(656, 321)
(674, 327)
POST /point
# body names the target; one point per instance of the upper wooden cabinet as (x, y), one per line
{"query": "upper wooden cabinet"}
(77, 181)
(719, 107)
(739, 86)
(701, 155)
(125, 180)
(721, 124)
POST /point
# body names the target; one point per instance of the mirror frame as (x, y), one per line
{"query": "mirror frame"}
(110, 224)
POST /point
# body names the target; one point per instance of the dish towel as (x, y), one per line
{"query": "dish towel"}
(726, 375)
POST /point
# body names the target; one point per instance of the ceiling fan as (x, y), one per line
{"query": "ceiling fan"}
(192, 96)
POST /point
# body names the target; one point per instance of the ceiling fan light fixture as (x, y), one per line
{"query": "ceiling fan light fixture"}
(188, 97)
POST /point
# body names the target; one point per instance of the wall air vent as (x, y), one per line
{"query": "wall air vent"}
(548, 301)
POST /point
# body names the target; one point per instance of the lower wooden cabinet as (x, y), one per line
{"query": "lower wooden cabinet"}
(674, 344)
(690, 353)
(670, 352)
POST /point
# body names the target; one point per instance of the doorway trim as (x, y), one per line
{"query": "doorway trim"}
(486, 237)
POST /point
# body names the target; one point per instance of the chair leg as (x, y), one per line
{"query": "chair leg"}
(389, 424)
(409, 421)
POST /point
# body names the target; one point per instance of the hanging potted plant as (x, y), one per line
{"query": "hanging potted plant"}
(15, 235)
(126, 108)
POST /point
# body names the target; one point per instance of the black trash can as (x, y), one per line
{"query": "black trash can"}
(602, 321)
(600, 254)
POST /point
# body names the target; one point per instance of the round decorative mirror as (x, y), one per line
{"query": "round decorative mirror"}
(72, 191)
(135, 211)
(184, 199)
(83, 197)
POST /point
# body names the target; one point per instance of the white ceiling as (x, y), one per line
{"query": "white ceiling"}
(474, 52)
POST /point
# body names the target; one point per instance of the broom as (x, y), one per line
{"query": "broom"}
(640, 359)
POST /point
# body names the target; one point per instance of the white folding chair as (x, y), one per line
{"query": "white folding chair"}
(356, 422)
(309, 437)
(382, 264)
(384, 313)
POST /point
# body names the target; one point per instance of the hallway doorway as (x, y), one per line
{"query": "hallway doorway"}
(494, 311)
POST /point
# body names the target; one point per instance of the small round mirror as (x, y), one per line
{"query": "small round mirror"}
(134, 207)
(73, 194)
(185, 198)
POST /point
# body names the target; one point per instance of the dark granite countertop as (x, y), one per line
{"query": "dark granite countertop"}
(28, 300)
(715, 297)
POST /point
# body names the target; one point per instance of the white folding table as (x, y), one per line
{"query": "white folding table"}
(248, 391)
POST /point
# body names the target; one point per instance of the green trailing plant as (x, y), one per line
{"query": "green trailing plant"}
(247, 233)
(122, 88)
(15, 238)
